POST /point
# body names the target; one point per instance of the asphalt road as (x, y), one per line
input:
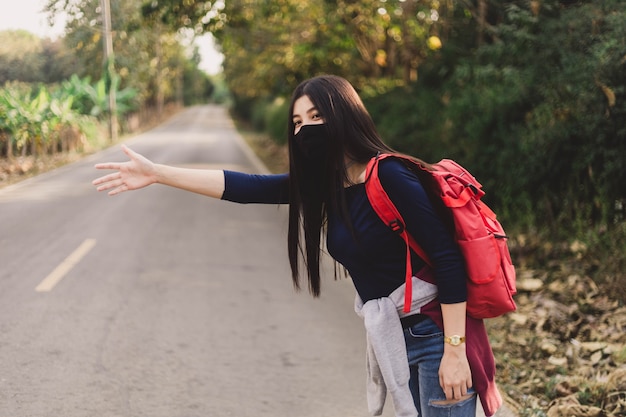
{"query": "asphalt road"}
(162, 303)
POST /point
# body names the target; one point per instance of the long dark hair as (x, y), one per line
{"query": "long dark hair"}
(313, 190)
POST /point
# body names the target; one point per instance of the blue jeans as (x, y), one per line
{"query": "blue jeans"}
(424, 345)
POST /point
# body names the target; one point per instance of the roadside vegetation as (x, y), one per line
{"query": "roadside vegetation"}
(530, 95)
(54, 102)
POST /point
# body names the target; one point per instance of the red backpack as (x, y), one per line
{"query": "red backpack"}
(480, 237)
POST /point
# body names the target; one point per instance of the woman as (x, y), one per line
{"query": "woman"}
(331, 139)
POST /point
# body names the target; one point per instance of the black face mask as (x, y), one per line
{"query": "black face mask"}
(312, 141)
(311, 147)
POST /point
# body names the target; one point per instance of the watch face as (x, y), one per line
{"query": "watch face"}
(455, 340)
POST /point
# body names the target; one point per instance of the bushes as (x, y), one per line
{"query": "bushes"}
(37, 120)
(276, 120)
(539, 116)
(265, 115)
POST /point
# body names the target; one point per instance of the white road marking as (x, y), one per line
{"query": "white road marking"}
(64, 267)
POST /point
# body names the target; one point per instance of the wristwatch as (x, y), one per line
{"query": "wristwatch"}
(454, 340)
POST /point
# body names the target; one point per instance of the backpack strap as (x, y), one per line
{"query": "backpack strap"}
(389, 214)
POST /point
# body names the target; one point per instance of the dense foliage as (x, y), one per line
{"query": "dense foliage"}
(36, 119)
(150, 57)
(27, 58)
(269, 47)
(538, 113)
(46, 90)
(527, 94)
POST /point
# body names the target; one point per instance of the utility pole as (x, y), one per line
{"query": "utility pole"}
(110, 68)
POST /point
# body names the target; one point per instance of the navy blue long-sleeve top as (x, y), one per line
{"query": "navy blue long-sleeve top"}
(375, 257)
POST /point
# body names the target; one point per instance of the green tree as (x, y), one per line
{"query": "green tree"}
(149, 57)
(20, 57)
(536, 111)
(270, 46)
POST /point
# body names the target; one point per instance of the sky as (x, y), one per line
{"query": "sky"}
(26, 14)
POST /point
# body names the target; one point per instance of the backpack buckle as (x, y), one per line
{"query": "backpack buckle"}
(397, 226)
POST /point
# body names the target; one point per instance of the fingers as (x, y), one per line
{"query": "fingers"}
(129, 152)
(108, 165)
(106, 178)
(117, 165)
(112, 182)
(118, 190)
(452, 393)
(455, 391)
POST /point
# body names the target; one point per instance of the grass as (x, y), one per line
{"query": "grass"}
(273, 155)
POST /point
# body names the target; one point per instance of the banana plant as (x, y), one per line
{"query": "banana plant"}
(14, 121)
(33, 111)
(93, 99)
(55, 118)
(6, 140)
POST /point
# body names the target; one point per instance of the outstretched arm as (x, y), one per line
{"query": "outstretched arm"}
(139, 172)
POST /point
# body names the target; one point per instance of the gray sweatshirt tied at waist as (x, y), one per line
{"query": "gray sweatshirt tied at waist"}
(386, 355)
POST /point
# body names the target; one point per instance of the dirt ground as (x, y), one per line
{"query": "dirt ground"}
(563, 352)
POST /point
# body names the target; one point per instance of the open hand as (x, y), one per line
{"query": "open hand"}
(136, 173)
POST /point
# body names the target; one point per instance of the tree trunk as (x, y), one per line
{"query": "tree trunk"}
(160, 94)
(481, 20)
(9, 151)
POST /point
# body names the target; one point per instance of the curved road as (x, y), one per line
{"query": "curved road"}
(162, 303)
